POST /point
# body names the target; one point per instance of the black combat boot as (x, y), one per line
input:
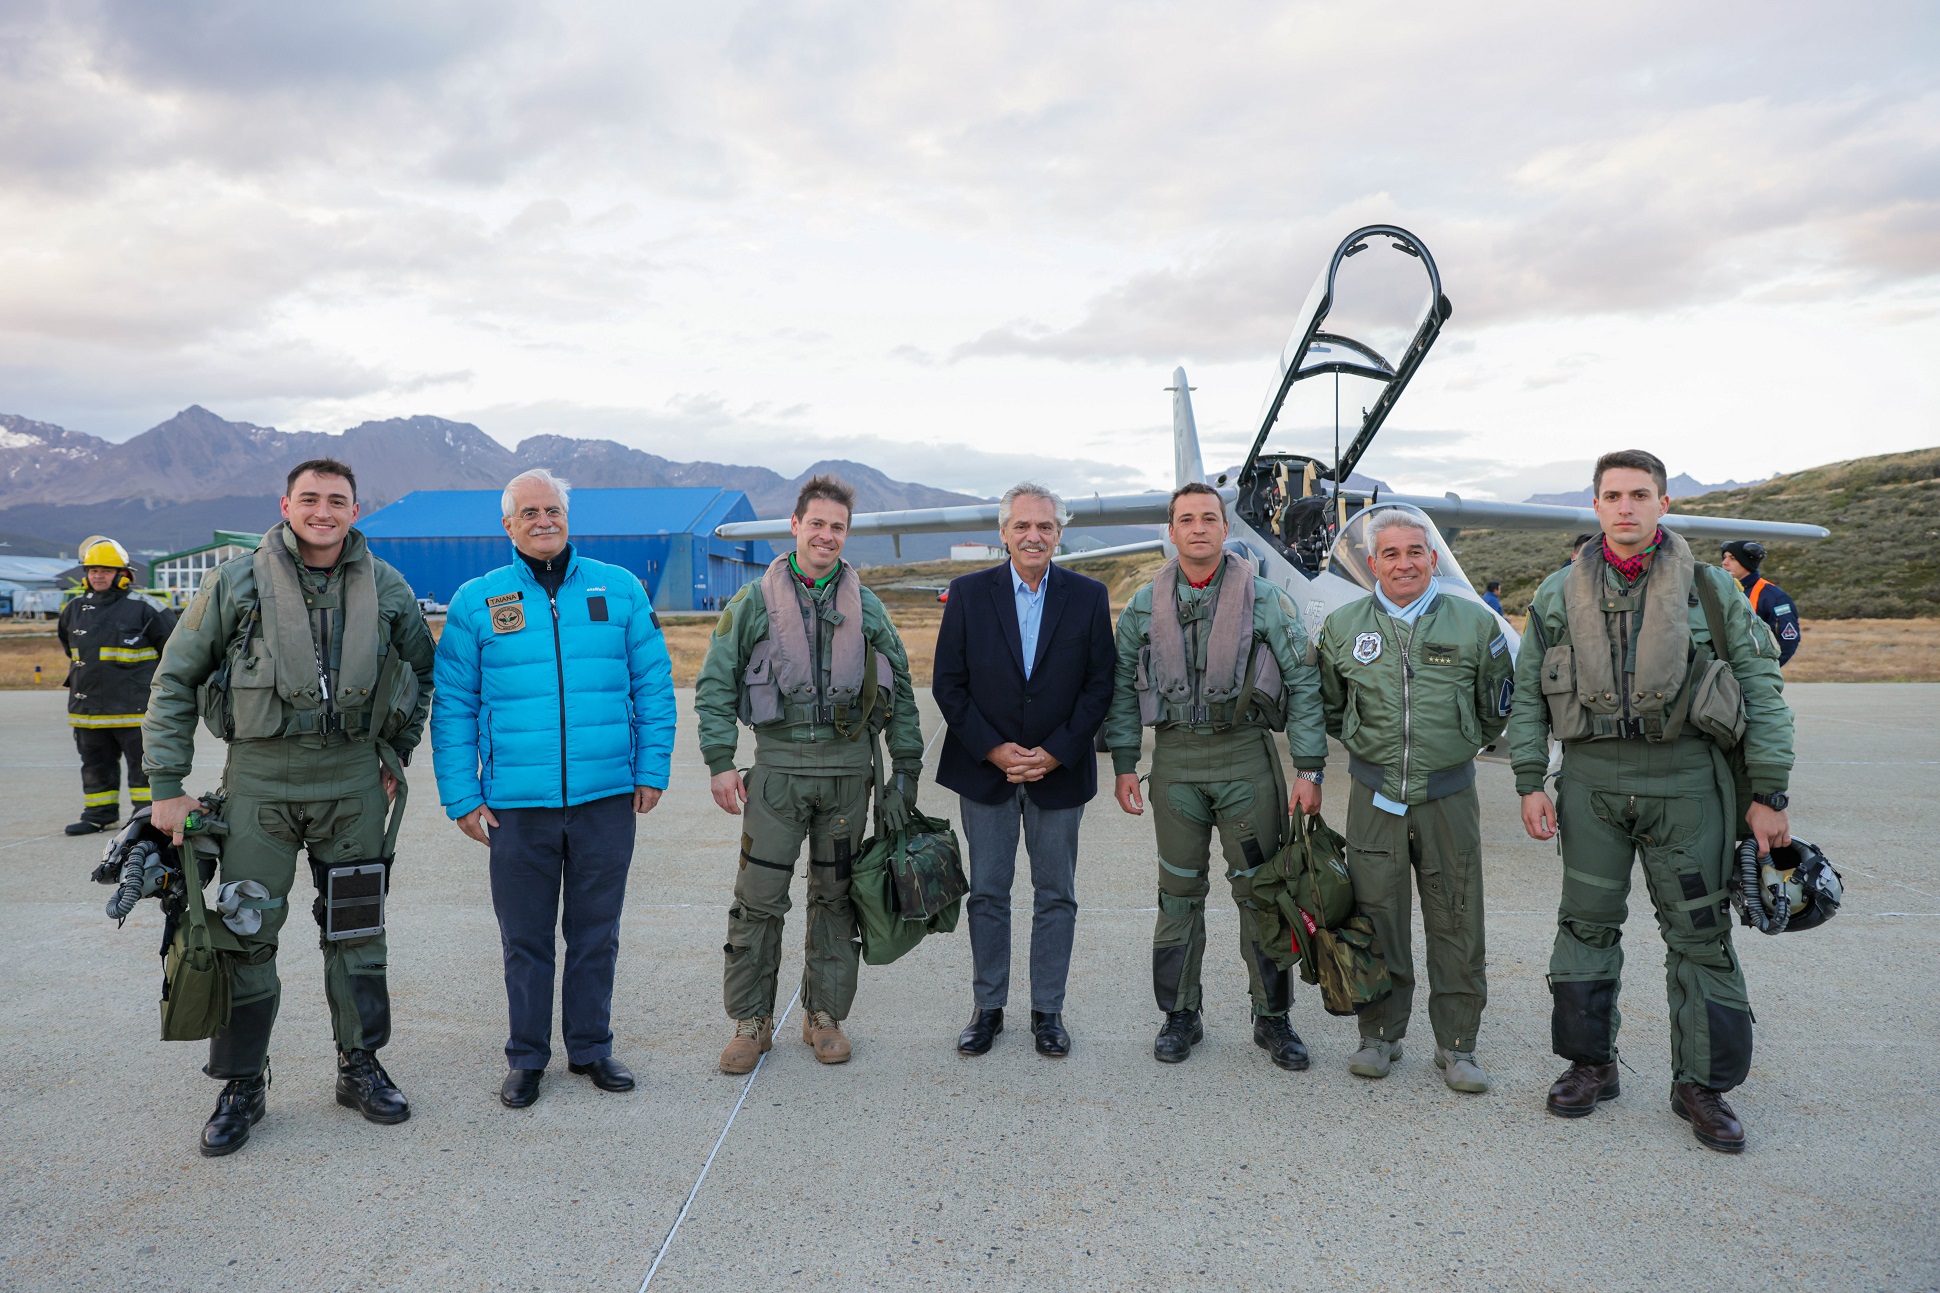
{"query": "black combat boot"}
(238, 1108)
(1274, 1035)
(1181, 1033)
(363, 1085)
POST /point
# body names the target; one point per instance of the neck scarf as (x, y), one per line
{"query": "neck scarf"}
(795, 568)
(1632, 568)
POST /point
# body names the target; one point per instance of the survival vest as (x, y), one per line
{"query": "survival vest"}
(811, 670)
(1236, 674)
(1628, 666)
(272, 683)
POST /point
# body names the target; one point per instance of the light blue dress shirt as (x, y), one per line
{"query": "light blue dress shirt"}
(1030, 614)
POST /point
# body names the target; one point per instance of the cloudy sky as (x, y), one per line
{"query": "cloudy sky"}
(968, 242)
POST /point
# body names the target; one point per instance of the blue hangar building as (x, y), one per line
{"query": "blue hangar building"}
(439, 538)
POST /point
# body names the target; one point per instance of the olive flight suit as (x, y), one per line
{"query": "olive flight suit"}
(1413, 702)
(327, 673)
(1214, 766)
(811, 777)
(1622, 675)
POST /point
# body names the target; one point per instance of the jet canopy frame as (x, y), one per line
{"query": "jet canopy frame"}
(1314, 351)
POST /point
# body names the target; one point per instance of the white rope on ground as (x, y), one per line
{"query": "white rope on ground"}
(667, 1243)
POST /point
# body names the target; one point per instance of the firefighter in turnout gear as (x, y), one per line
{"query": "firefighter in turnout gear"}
(1415, 681)
(113, 640)
(806, 657)
(1215, 660)
(311, 660)
(1650, 668)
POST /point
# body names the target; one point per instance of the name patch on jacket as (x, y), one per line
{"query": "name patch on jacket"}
(508, 613)
(1435, 653)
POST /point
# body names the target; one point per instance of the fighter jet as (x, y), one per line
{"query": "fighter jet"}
(1369, 321)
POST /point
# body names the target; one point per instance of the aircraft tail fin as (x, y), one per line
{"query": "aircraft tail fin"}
(1186, 464)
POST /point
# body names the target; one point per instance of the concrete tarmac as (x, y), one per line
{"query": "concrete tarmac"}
(912, 1167)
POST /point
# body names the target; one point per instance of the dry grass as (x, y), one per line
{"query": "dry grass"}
(1833, 650)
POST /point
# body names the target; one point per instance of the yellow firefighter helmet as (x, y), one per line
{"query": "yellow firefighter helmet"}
(100, 550)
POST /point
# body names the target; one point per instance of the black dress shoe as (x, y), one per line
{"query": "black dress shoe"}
(238, 1108)
(608, 1074)
(981, 1032)
(1181, 1033)
(363, 1085)
(520, 1088)
(1274, 1035)
(1048, 1029)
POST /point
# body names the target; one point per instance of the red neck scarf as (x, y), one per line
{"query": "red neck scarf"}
(1632, 568)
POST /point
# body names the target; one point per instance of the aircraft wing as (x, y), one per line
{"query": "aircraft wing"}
(1117, 550)
(1096, 510)
(1453, 512)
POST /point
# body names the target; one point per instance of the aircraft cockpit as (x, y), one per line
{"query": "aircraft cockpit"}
(1348, 557)
(1365, 328)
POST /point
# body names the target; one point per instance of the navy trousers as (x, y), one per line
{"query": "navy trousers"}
(539, 855)
(1051, 839)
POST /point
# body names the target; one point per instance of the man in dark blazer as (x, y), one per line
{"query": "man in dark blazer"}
(1023, 678)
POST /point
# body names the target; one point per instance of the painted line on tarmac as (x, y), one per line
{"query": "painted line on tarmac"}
(674, 1229)
(35, 840)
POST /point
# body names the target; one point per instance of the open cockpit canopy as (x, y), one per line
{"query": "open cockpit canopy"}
(1356, 543)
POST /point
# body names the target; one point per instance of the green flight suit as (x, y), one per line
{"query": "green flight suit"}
(1651, 785)
(1221, 774)
(316, 787)
(1413, 703)
(810, 781)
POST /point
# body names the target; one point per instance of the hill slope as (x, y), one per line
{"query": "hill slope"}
(1882, 561)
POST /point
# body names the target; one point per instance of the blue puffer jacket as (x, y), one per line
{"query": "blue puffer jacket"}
(547, 706)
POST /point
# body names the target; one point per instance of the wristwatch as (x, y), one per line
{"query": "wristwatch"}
(1776, 802)
(1314, 775)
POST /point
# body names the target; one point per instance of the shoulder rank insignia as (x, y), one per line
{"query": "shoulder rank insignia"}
(1367, 647)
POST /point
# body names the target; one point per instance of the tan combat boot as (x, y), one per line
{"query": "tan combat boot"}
(753, 1038)
(820, 1030)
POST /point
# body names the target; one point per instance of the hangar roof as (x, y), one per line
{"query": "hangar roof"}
(474, 513)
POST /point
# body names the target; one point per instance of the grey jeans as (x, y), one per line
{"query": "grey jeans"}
(1051, 839)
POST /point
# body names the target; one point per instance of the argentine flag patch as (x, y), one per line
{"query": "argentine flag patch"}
(1498, 646)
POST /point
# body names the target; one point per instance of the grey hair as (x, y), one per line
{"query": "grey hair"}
(1393, 518)
(537, 476)
(1026, 489)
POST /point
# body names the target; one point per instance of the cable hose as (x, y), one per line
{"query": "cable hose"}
(134, 880)
(1752, 893)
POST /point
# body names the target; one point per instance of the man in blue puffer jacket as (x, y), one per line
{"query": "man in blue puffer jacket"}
(554, 726)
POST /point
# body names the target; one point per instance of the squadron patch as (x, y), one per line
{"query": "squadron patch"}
(1367, 647)
(509, 618)
(1505, 699)
(1790, 633)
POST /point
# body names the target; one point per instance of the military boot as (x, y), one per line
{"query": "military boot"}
(238, 1108)
(1712, 1120)
(363, 1085)
(1181, 1033)
(1374, 1059)
(820, 1031)
(1460, 1071)
(753, 1038)
(1582, 1088)
(1274, 1035)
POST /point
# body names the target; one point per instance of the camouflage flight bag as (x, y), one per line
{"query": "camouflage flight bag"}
(1308, 906)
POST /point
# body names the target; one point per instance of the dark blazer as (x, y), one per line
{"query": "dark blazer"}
(980, 686)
